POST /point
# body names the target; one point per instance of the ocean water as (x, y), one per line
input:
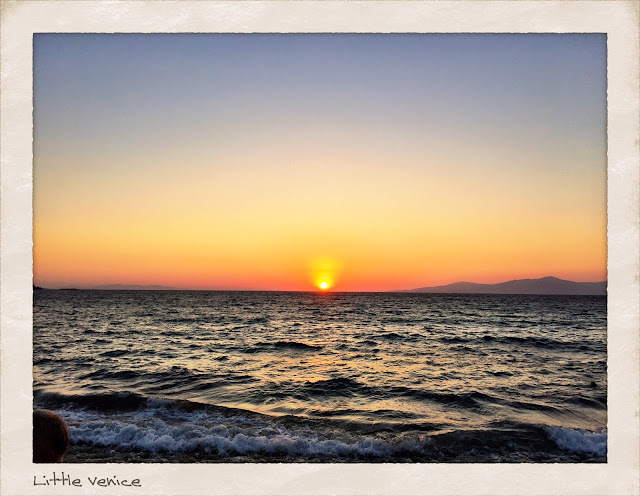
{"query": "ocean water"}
(196, 376)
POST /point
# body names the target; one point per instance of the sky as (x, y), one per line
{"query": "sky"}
(369, 162)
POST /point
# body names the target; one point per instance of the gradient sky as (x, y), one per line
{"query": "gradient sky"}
(272, 161)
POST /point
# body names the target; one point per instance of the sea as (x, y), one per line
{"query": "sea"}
(304, 377)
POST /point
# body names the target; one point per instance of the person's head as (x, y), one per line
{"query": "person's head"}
(50, 437)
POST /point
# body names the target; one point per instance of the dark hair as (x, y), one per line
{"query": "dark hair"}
(50, 436)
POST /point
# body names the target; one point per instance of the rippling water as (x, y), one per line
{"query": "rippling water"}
(268, 376)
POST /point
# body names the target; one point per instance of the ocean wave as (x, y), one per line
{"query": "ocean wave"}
(167, 373)
(348, 387)
(265, 319)
(262, 346)
(599, 402)
(579, 441)
(111, 374)
(535, 342)
(294, 345)
(162, 425)
(114, 353)
(454, 339)
(226, 440)
(129, 422)
(226, 437)
(181, 320)
(341, 386)
(124, 401)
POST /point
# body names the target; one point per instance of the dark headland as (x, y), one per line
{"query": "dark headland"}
(118, 287)
(542, 286)
(130, 287)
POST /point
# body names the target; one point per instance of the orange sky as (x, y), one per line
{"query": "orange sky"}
(328, 161)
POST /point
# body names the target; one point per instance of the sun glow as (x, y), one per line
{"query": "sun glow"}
(323, 272)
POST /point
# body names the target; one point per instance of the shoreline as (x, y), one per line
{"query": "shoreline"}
(86, 453)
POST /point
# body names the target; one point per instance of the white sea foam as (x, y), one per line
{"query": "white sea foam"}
(157, 435)
(159, 429)
(579, 441)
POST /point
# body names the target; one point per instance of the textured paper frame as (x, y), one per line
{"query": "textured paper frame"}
(619, 19)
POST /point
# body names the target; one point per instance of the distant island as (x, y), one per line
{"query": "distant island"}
(132, 286)
(127, 287)
(542, 286)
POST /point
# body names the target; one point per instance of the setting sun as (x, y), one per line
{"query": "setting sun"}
(324, 272)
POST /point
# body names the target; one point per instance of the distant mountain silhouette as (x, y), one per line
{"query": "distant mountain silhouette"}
(543, 286)
(130, 286)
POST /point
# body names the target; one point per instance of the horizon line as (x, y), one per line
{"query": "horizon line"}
(160, 287)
